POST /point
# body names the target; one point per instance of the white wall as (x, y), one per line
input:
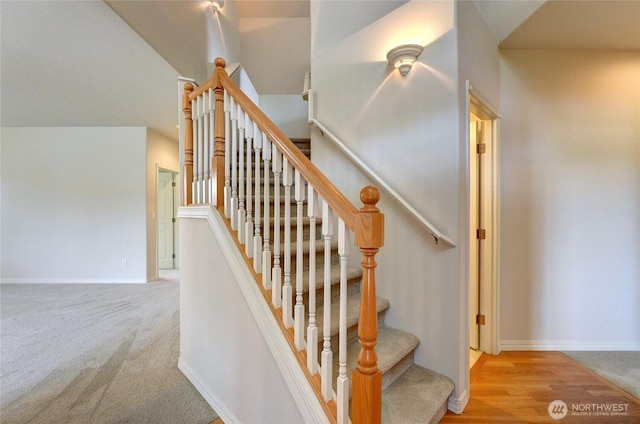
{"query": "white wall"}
(223, 37)
(479, 63)
(222, 349)
(289, 113)
(162, 152)
(269, 42)
(407, 130)
(570, 163)
(73, 205)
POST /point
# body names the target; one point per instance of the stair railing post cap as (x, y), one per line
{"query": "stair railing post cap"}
(370, 196)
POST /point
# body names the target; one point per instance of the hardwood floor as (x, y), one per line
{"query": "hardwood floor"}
(518, 387)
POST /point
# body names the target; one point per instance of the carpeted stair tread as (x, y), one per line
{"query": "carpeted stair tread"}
(305, 249)
(352, 274)
(394, 347)
(305, 222)
(353, 312)
(418, 396)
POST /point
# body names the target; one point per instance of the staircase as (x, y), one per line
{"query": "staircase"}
(411, 393)
(297, 232)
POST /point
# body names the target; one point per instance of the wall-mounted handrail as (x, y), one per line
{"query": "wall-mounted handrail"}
(437, 235)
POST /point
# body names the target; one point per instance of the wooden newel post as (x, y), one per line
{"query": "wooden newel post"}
(187, 169)
(217, 161)
(367, 378)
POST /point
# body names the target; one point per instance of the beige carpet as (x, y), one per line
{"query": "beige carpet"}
(620, 368)
(94, 353)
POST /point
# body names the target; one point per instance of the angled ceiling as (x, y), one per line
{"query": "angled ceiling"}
(68, 63)
(593, 24)
(175, 29)
(91, 63)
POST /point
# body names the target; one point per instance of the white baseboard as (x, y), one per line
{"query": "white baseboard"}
(511, 345)
(457, 405)
(213, 401)
(73, 281)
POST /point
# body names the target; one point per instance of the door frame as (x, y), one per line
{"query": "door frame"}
(489, 291)
(176, 198)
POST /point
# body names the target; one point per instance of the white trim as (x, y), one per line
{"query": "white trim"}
(457, 405)
(73, 281)
(515, 345)
(232, 68)
(486, 103)
(490, 341)
(218, 406)
(301, 391)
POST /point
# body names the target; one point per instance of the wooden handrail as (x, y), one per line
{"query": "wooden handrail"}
(366, 223)
(311, 174)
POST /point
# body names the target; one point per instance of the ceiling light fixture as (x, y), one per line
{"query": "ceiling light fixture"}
(403, 57)
(216, 5)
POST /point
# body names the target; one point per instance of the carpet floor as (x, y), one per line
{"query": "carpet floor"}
(620, 368)
(94, 353)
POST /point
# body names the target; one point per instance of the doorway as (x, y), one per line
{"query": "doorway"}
(483, 227)
(166, 218)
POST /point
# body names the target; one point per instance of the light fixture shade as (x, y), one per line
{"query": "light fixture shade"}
(216, 4)
(402, 57)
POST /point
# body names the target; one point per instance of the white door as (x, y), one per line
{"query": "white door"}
(474, 245)
(482, 228)
(166, 220)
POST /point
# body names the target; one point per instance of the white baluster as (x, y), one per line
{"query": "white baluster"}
(312, 330)
(227, 154)
(209, 159)
(234, 164)
(266, 229)
(343, 380)
(200, 107)
(248, 226)
(241, 183)
(205, 147)
(276, 276)
(258, 142)
(327, 355)
(298, 312)
(194, 125)
(287, 289)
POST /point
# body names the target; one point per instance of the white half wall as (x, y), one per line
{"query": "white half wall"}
(227, 332)
(73, 205)
(570, 163)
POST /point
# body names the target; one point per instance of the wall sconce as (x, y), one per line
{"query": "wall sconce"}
(402, 57)
(216, 5)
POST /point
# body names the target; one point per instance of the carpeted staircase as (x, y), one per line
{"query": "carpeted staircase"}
(411, 393)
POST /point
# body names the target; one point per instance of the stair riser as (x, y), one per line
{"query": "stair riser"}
(352, 335)
(388, 376)
(353, 286)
